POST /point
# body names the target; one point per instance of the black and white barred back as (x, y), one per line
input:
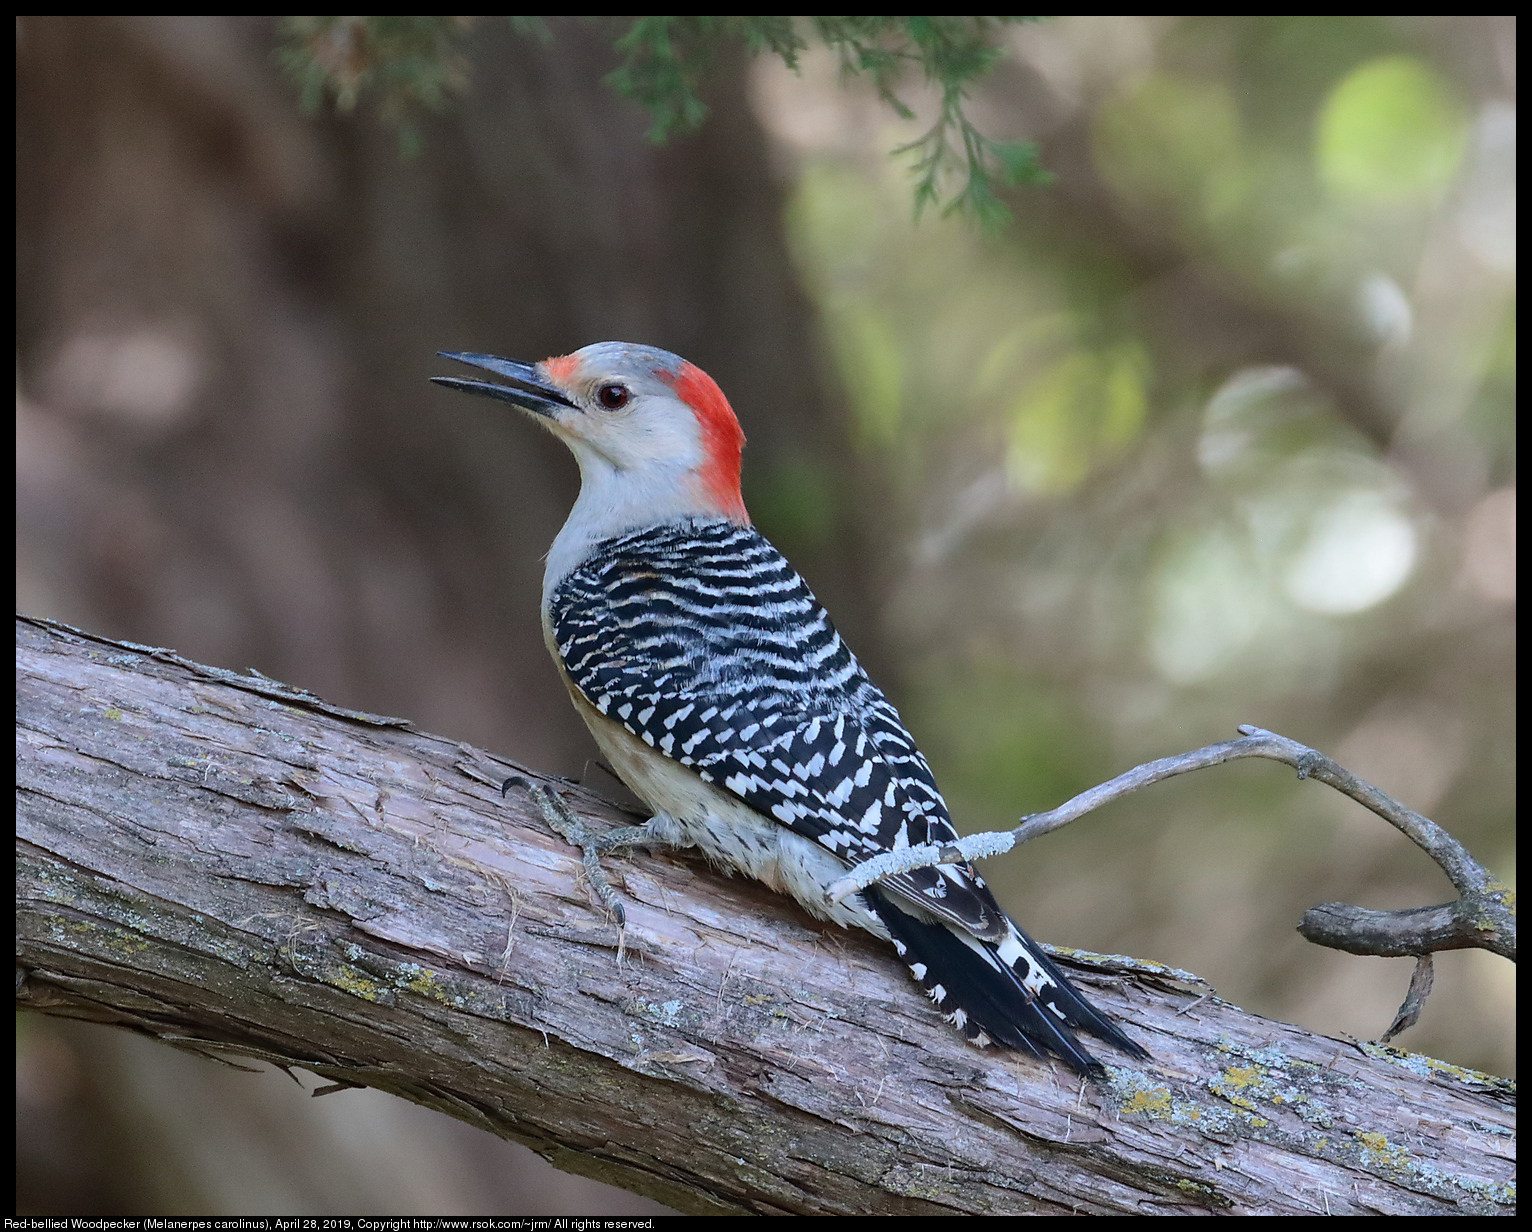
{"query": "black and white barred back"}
(702, 641)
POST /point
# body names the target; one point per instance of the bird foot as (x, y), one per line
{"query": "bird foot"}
(563, 822)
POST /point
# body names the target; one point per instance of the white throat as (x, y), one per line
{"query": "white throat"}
(614, 501)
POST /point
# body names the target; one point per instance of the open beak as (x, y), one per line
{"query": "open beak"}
(525, 388)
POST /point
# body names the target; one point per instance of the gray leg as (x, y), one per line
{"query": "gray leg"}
(563, 822)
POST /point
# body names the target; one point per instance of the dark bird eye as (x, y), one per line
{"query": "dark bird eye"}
(613, 397)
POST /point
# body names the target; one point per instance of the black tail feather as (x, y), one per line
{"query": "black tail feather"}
(1078, 1012)
(986, 998)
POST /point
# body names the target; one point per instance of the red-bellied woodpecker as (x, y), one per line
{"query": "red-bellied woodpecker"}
(722, 695)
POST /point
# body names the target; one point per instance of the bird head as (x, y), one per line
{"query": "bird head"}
(645, 426)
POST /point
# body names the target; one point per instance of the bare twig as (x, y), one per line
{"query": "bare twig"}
(1414, 1000)
(1483, 915)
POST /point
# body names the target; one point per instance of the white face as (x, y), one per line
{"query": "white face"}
(626, 416)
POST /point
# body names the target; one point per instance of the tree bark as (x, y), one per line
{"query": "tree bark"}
(238, 868)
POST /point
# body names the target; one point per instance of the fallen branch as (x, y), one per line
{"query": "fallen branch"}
(232, 866)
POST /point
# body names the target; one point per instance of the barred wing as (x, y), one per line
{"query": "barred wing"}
(704, 642)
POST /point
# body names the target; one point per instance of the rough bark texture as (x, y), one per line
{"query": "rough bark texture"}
(232, 865)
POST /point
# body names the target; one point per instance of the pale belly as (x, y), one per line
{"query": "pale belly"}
(692, 813)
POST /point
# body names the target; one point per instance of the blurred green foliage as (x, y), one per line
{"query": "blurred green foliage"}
(407, 62)
(1081, 411)
(414, 61)
(794, 502)
(666, 59)
(1175, 145)
(1115, 553)
(1006, 742)
(1391, 131)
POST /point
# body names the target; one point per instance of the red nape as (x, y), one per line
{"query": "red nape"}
(722, 436)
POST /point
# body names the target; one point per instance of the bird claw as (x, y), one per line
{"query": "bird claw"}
(563, 822)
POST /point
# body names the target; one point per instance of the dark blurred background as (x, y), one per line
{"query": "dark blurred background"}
(1219, 430)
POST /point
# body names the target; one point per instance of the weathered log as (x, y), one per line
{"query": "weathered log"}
(235, 867)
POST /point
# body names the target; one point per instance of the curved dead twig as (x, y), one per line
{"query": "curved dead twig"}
(1483, 916)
